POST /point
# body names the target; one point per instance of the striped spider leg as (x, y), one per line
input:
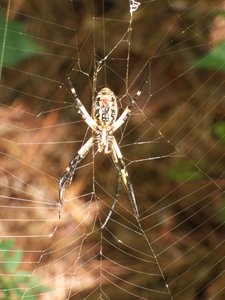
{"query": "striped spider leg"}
(103, 123)
(117, 159)
(67, 176)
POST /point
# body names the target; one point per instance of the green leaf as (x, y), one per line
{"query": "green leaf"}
(6, 245)
(223, 212)
(33, 284)
(42, 289)
(14, 261)
(219, 131)
(14, 287)
(30, 297)
(184, 171)
(18, 45)
(23, 278)
(19, 293)
(220, 12)
(214, 60)
(37, 289)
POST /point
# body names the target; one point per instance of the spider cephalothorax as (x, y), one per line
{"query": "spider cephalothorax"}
(103, 122)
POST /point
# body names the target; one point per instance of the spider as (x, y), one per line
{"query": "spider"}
(103, 123)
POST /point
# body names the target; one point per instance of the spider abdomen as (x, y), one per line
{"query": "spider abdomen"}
(104, 112)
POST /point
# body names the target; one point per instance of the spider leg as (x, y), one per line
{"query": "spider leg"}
(118, 189)
(121, 168)
(67, 176)
(80, 107)
(128, 109)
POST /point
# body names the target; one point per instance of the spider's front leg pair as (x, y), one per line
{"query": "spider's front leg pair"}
(67, 176)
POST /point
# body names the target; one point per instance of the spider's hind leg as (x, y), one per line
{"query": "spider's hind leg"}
(121, 168)
(117, 195)
(128, 185)
(67, 176)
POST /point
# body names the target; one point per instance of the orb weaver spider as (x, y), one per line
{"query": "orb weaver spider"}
(103, 123)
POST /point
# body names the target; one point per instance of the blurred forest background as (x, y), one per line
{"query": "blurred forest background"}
(180, 195)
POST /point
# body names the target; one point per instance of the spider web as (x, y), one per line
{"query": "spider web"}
(174, 159)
